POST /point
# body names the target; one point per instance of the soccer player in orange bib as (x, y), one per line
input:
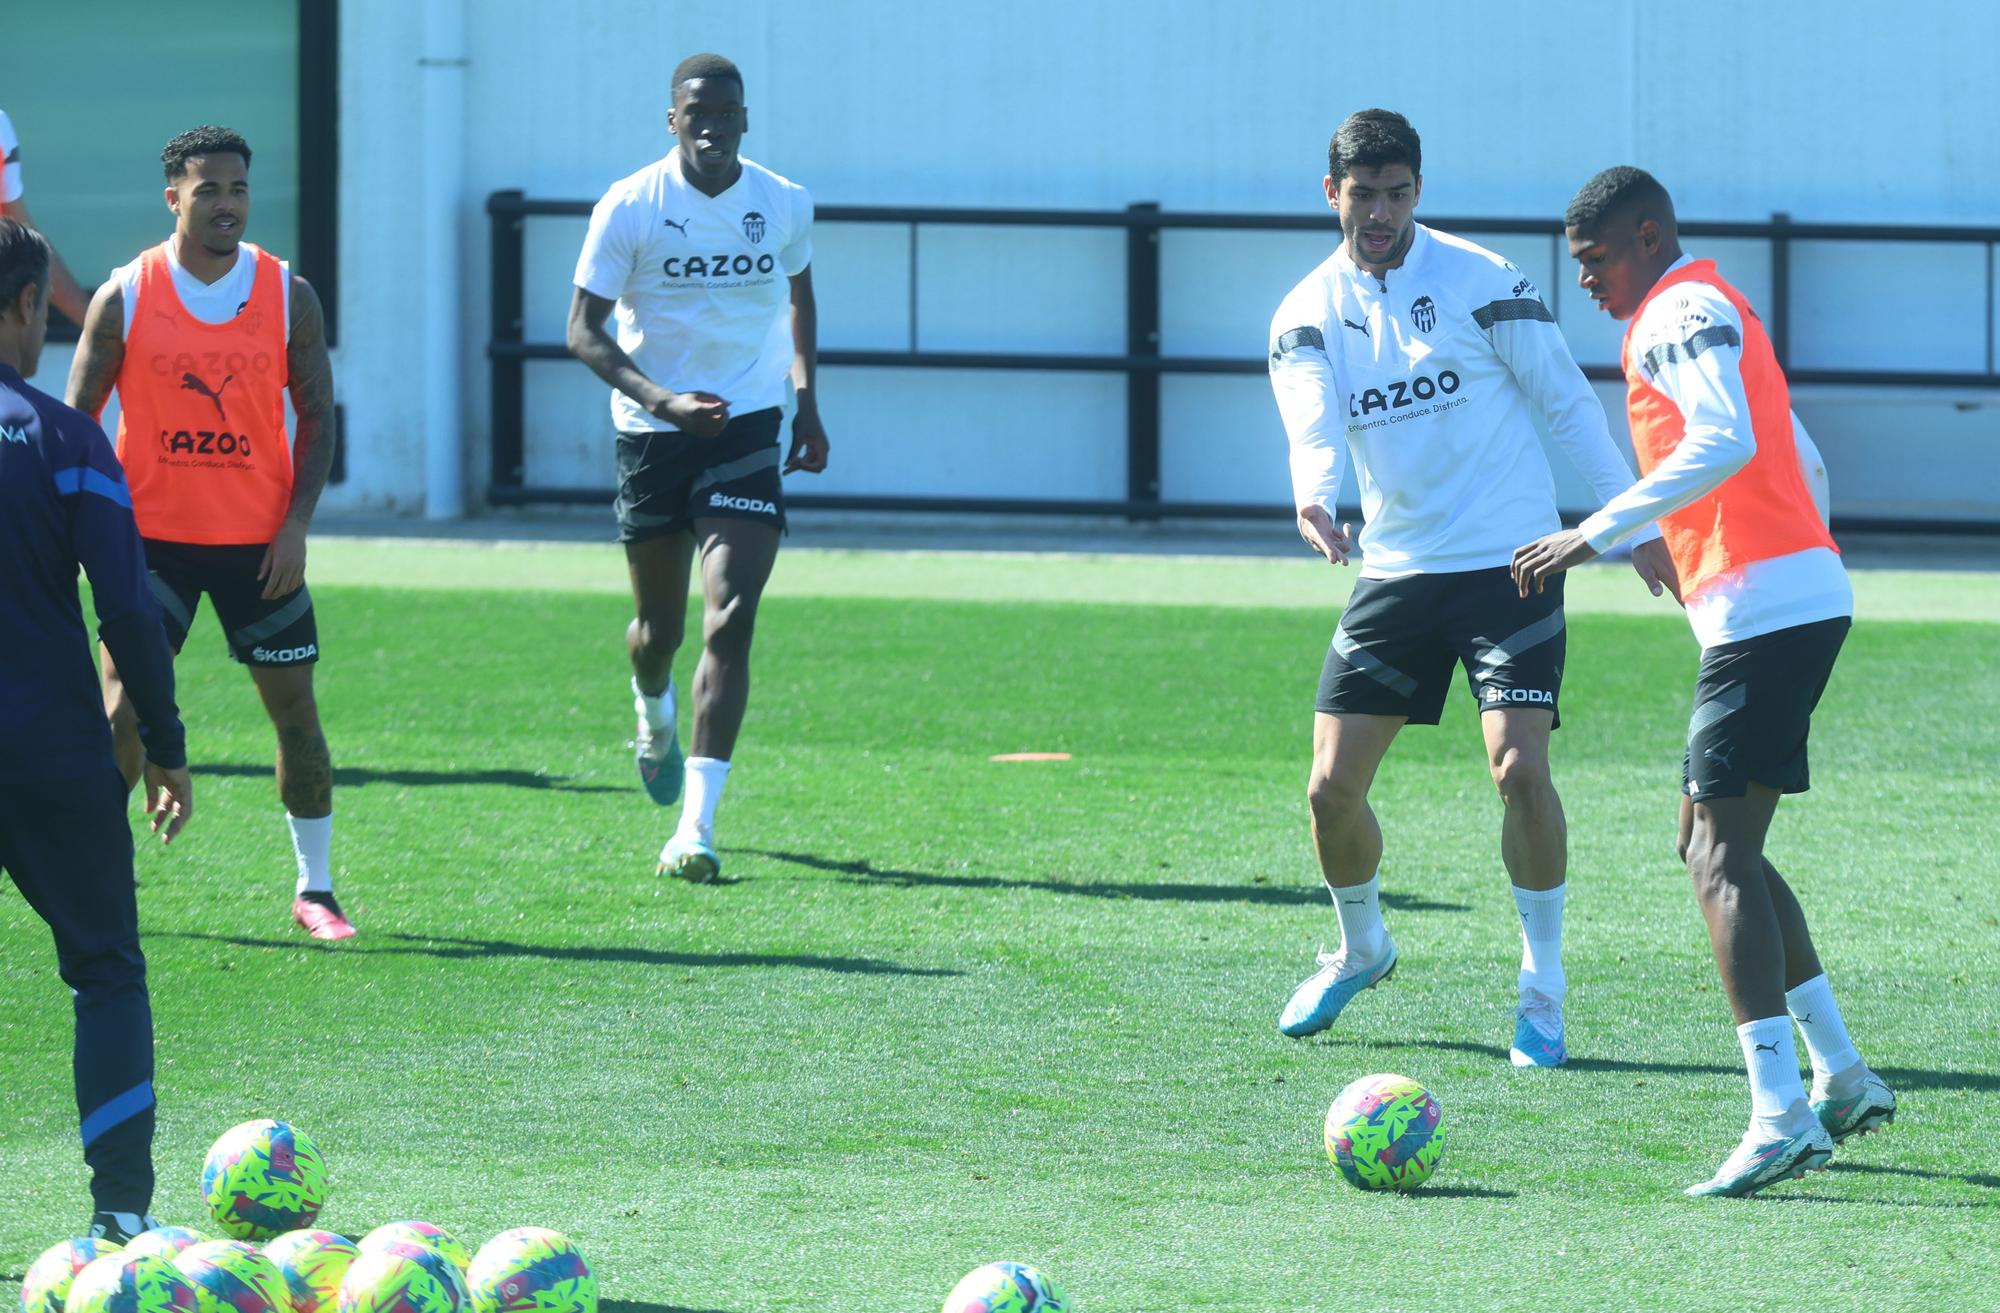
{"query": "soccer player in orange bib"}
(1770, 602)
(202, 336)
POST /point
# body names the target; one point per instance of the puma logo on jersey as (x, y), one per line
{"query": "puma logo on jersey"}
(722, 501)
(192, 382)
(681, 227)
(1359, 328)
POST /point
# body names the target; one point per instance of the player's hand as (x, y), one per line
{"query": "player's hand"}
(284, 567)
(169, 800)
(1316, 527)
(808, 443)
(1655, 565)
(1545, 558)
(701, 413)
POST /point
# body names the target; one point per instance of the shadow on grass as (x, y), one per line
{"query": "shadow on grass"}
(400, 945)
(637, 1306)
(866, 872)
(1463, 1192)
(1899, 1078)
(355, 777)
(1873, 1169)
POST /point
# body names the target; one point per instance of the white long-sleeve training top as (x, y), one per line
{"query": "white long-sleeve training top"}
(1435, 375)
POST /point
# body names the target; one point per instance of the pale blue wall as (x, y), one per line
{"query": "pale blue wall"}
(1826, 110)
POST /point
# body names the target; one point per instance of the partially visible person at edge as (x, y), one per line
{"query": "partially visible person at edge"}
(64, 292)
(64, 838)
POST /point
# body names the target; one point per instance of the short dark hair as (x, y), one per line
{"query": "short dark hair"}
(24, 260)
(1374, 138)
(205, 140)
(707, 66)
(1616, 191)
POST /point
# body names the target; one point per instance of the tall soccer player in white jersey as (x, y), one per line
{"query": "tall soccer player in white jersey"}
(705, 257)
(1770, 603)
(1432, 358)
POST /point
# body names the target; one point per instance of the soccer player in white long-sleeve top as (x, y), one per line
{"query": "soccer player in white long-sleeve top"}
(1432, 358)
(1770, 603)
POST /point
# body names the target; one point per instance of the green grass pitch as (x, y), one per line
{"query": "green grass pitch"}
(948, 1011)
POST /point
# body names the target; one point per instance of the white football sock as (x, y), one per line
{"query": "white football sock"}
(704, 778)
(1836, 1063)
(312, 844)
(658, 711)
(1363, 938)
(1777, 1095)
(1541, 940)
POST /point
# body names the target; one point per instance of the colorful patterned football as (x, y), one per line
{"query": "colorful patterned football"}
(529, 1270)
(1005, 1288)
(46, 1284)
(1385, 1133)
(130, 1283)
(165, 1242)
(400, 1278)
(263, 1179)
(230, 1276)
(313, 1264)
(424, 1236)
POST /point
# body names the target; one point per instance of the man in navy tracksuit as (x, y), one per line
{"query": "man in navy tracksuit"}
(63, 834)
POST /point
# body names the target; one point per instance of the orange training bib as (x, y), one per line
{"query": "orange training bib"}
(201, 425)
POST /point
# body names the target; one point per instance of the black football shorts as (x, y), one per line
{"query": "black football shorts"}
(281, 631)
(1399, 639)
(668, 480)
(1753, 705)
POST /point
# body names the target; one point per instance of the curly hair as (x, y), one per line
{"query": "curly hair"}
(1614, 192)
(205, 140)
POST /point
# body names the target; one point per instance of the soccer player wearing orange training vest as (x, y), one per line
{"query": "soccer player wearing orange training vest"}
(1770, 602)
(202, 336)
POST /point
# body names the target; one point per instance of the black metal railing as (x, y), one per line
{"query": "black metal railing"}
(1142, 363)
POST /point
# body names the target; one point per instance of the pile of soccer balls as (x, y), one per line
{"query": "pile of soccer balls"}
(265, 1181)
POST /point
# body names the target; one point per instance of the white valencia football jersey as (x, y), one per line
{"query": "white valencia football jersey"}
(701, 282)
(1435, 376)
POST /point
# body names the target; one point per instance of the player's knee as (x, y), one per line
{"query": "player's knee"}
(1334, 795)
(103, 970)
(728, 627)
(1522, 777)
(294, 709)
(657, 635)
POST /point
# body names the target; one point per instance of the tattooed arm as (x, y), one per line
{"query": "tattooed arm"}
(311, 373)
(100, 352)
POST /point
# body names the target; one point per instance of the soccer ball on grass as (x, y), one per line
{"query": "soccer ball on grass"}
(1385, 1132)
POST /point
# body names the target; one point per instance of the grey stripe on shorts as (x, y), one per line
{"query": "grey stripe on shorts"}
(1351, 652)
(736, 469)
(273, 623)
(170, 602)
(1532, 635)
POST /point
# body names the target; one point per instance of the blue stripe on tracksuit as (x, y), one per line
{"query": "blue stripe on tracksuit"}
(118, 1109)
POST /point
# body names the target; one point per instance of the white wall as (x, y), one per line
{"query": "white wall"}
(1740, 109)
